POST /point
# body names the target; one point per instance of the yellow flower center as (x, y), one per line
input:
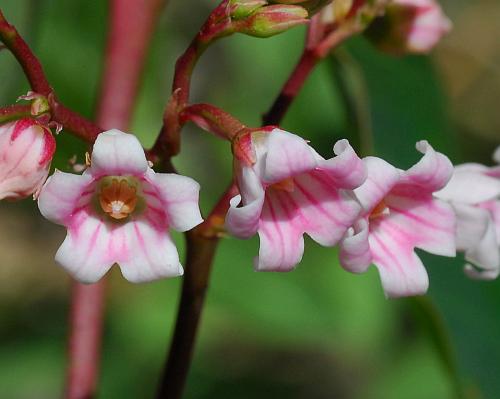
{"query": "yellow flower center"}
(284, 185)
(118, 199)
(379, 210)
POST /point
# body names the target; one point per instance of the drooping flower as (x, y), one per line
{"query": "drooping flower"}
(286, 190)
(26, 150)
(474, 193)
(400, 213)
(414, 26)
(119, 211)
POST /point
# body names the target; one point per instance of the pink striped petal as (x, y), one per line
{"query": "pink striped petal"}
(281, 241)
(494, 208)
(346, 170)
(430, 174)
(355, 254)
(428, 223)
(287, 155)
(118, 153)
(84, 253)
(470, 185)
(62, 194)
(476, 236)
(381, 179)
(401, 271)
(151, 252)
(179, 198)
(242, 219)
(325, 212)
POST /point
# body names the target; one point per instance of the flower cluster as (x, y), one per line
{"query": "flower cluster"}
(119, 211)
(376, 213)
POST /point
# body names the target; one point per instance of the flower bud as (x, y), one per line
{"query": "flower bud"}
(271, 20)
(409, 26)
(310, 5)
(26, 150)
(244, 8)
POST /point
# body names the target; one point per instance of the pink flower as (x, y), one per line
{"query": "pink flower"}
(474, 193)
(286, 190)
(400, 213)
(425, 24)
(26, 150)
(119, 211)
(410, 26)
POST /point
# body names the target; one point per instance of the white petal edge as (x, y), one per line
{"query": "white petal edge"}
(118, 153)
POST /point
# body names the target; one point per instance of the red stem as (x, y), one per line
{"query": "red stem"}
(217, 25)
(306, 64)
(33, 70)
(201, 247)
(13, 112)
(124, 61)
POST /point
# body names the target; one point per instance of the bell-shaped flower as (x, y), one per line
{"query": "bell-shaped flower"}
(120, 211)
(286, 190)
(474, 193)
(400, 213)
(414, 26)
(26, 150)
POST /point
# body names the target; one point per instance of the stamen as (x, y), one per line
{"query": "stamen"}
(284, 185)
(118, 199)
(380, 210)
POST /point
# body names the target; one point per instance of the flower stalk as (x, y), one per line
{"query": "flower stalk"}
(72, 121)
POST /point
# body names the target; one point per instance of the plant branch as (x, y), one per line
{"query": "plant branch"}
(13, 112)
(201, 245)
(322, 38)
(72, 121)
(217, 25)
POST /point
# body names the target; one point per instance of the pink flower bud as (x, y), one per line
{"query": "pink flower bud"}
(410, 26)
(26, 150)
(271, 20)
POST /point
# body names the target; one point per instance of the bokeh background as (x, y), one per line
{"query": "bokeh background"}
(318, 332)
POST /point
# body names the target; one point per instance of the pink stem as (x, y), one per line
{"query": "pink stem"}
(124, 61)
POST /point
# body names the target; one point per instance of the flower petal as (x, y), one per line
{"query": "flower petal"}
(382, 177)
(476, 236)
(62, 194)
(427, 222)
(281, 240)
(346, 169)
(151, 253)
(287, 155)
(428, 175)
(496, 155)
(118, 153)
(179, 195)
(494, 208)
(355, 254)
(84, 253)
(325, 211)
(470, 187)
(401, 271)
(242, 219)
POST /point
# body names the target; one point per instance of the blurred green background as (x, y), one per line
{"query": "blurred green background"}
(318, 332)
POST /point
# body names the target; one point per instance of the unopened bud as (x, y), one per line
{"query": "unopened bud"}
(26, 150)
(271, 20)
(311, 6)
(414, 26)
(243, 8)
